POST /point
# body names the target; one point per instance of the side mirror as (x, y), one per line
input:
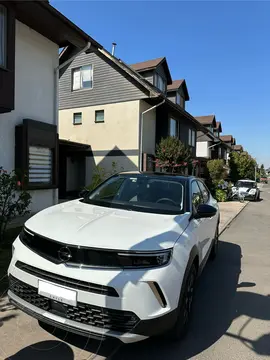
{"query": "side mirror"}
(205, 211)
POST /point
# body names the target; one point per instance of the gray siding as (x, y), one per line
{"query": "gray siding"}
(202, 137)
(172, 96)
(149, 76)
(110, 84)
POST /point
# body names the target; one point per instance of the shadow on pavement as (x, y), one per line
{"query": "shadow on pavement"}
(216, 305)
(45, 350)
(104, 348)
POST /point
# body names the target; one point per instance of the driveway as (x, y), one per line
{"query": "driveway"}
(231, 312)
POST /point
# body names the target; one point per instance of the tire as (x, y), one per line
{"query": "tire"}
(214, 250)
(180, 329)
(259, 196)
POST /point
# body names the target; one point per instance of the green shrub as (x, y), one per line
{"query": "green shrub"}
(14, 200)
(221, 195)
(171, 154)
(216, 170)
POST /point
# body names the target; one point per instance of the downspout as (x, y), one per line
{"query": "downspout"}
(56, 96)
(141, 133)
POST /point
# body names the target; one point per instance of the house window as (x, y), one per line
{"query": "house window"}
(191, 137)
(173, 127)
(178, 98)
(159, 82)
(77, 118)
(40, 165)
(83, 78)
(3, 35)
(182, 101)
(99, 116)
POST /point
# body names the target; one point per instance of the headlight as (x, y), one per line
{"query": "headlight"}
(144, 259)
(252, 191)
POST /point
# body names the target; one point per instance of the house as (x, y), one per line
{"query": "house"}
(31, 33)
(237, 148)
(210, 146)
(120, 112)
(228, 139)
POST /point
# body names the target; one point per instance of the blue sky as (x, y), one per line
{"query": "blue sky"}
(222, 49)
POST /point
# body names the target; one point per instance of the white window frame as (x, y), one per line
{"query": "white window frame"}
(77, 78)
(3, 36)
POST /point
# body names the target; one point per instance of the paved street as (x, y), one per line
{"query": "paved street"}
(231, 317)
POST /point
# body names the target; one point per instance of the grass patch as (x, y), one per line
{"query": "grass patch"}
(5, 257)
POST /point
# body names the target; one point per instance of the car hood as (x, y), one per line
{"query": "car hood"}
(78, 223)
(245, 189)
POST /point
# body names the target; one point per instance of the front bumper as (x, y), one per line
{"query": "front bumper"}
(135, 295)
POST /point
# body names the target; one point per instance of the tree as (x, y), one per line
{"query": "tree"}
(242, 166)
(171, 154)
(216, 170)
(262, 172)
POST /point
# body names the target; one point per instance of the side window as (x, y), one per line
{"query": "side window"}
(196, 195)
(205, 192)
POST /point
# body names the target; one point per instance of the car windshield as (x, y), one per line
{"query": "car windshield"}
(246, 184)
(140, 193)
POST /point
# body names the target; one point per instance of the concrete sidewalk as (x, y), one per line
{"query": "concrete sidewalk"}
(228, 212)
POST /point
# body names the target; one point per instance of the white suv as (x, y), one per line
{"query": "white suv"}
(121, 262)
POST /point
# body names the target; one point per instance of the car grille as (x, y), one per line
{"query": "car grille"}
(115, 320)
(49, 249)
(65, 281)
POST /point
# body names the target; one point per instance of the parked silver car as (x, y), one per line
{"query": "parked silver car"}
(247, 189)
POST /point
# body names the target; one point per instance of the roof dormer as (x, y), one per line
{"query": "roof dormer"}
(155, 71)
(177, 92)
(209, 121)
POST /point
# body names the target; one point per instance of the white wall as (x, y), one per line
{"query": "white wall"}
(35, 60)
(120, 131)
(202, 149)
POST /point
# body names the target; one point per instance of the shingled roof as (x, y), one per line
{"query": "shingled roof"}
(153, 64)
(227, 138)
(147, 65)
(207, 120)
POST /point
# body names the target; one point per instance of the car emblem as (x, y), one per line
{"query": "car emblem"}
(64, 254)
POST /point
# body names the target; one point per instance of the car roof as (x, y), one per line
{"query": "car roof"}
(157, 174)
(247, 180)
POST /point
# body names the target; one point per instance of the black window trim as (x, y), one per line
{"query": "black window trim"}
(100, 122)
(75, 113)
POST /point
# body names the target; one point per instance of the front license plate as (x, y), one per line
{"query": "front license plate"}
(57, 293)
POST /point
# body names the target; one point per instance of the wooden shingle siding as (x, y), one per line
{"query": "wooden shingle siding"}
(110, 84)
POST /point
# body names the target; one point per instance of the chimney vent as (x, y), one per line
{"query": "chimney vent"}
(113, 48)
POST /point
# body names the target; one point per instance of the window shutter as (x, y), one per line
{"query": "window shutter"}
(40, 165)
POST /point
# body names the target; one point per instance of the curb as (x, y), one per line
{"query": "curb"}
(226, 225)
